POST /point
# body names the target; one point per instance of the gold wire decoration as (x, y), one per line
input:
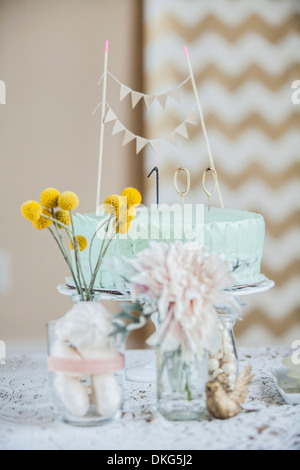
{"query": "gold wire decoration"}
(209, 193)
(188, 184)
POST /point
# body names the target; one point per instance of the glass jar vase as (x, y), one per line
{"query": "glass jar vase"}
(225, 360)
(85, 384)
(180, 385)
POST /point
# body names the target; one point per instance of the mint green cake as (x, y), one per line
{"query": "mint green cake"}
(239, 235)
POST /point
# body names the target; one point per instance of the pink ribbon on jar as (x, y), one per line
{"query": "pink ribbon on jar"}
(86, 366)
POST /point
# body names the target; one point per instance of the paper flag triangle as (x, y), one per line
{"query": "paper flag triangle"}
(110, 115)
(174, 94)
(135, 98)
(148, 101)
(162, 100)
(118, 127)
(155, 144)
(171, 138)
(124, 91)
(182, 130)
(191, 119)
(140, 143)
(128, 137)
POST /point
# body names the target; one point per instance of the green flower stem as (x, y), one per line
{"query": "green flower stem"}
(71, 237)
(100, 258)
(76, 249)
(178, 372)
(78, 259)
(92, 241)
(78, 284)
(187, 385)
(65, 257)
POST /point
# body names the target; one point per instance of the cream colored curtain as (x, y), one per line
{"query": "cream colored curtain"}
(245, 55)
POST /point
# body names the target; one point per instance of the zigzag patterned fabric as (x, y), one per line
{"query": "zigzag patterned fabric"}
(245, 56)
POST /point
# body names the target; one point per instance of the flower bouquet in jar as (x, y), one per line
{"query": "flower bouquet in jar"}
(187, 286)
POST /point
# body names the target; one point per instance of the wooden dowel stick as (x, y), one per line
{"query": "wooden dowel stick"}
(101, 139)
(202, 122)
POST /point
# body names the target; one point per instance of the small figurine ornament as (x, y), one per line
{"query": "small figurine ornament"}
(222, 403)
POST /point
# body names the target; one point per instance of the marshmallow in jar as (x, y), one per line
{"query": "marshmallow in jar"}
(85, 366)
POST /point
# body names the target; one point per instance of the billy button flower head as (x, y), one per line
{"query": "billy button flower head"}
(43, 222)
(31, 210)
(82, 242)
(123, 227)
(123, 223)
(49, 198)
(133, 196)
(63, 217)
(113, 204)
(68, 200)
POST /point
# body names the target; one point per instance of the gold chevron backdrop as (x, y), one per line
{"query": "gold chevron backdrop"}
(245, 55)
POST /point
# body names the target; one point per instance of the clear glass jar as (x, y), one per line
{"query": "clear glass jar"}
(226, 359)
(180, 386)
(85, 386)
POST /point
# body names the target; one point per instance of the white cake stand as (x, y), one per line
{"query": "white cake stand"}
(146, 373)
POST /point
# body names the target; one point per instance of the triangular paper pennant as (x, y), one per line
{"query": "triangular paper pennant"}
(174, 94)
(140, 143)
(148, 101)
(110, 115)
(162, 100)
(191, 119)
(182, 130)
(135, 98)
(171, 138)
(118, 127)
(155, 144)
(124, 91)
(128, 137)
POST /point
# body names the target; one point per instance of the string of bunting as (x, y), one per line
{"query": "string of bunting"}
(141, 142)
(136, 96)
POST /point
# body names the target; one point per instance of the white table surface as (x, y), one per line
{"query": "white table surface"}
(26, 420)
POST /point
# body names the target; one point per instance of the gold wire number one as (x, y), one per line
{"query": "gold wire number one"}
(209, 193)
(188, 184)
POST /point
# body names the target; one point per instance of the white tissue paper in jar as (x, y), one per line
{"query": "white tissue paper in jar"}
(106, 393)
(86, 325)
(73, 394)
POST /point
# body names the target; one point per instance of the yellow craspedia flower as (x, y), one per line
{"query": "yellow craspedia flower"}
(63, 217)
(131, 213)
(123, 228)
(68, 200)
(82, 242)
(31, 210)
(122, 224)
(133, 196)
(113, 204)
(42, 222)
(49, 198)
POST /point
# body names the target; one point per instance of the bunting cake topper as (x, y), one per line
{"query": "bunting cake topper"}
(141, 142)
(108, 115)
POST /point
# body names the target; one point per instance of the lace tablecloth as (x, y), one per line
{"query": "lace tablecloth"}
(26, 420)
